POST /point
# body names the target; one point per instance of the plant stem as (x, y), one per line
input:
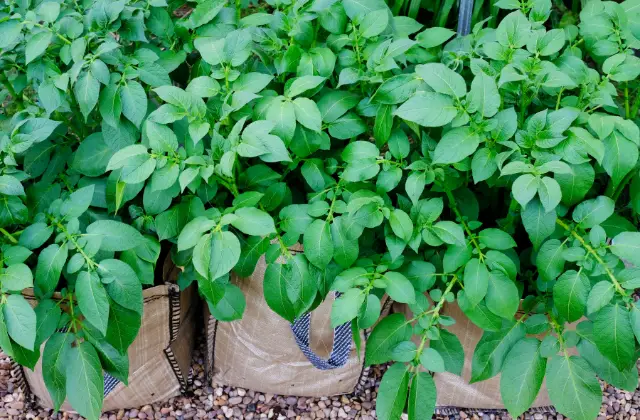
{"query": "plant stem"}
(238, 10)
(454, 207)
(61, 37)
(436, 314)
(627, 110)
(8, 235)
(559, 97)
(594, 254)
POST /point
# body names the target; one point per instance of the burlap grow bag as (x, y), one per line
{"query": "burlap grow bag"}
(159, 358)
(259, 351)
(455, 392)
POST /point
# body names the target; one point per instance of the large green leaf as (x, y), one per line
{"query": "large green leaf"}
(84, 379)
(522, 376)
(392, 394)
(318, 245)
(422, 397)
(492, 349)
(573, 387)
(613, 335)
(20, 319)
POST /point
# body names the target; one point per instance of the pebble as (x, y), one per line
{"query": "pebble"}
(213, 401)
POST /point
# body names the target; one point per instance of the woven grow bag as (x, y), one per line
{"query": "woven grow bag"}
(159, 358)
(259, 351)
(455, 393)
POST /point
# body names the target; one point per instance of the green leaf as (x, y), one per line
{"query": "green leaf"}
(600, 296)
(84, 379)
(442, 79)
(626, 245)
(307, 113)
(50, 263)
(302, 84)
(496, 239)
(549, 193)
(231, 306)
(20, 320)
(570, 295)
(613, 335)
(87, 92)
(456, 145)
(93, 300)
(401, 224)
(525, 188)
(627, 380)
(422, 397)
(345, 250)
(593, 212)
(224, 253)
(122, 327)
(48, 315)
(538, 223)
(575, 185)
(483, 97)
(122, 284)
(476, 281)
(432, 37)
(428, 109)
(522, 376)
(449, 232)
(318, 245)
(392, 395)
(502, 297)
(346, 307)
(573, 387)
(492, 349)
(37, 45)
(374, 23)
(390, 331)
(16, 277)
(283, 115)
(432, 360)
(335, 104)
(54, 370)
(134, 102)
(399, 287)
(115, 236)
(9, 185)
(253, 222)
(276, 278)
(620, 157)
(449, 347)
(549, 260)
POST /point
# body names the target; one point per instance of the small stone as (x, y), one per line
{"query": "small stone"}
(292, 400)
(235, 400)
(242, 392)
(463, 415)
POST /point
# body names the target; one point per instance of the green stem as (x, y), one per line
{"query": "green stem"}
(238, 10)
(472, 239)
(61, 37)
(435, 315)
(8, 235)
(627, 109)
(559, 97)
(594, 254)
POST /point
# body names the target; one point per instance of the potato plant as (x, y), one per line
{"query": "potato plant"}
(496, 171)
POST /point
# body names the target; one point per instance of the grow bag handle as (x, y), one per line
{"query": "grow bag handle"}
(340, 350)
(465, 13)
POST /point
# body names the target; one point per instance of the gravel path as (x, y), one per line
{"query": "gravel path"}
(217, 402)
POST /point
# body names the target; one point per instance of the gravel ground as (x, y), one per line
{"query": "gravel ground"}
(219, 402)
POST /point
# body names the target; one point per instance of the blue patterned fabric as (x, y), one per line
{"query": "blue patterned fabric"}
(342, 338)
